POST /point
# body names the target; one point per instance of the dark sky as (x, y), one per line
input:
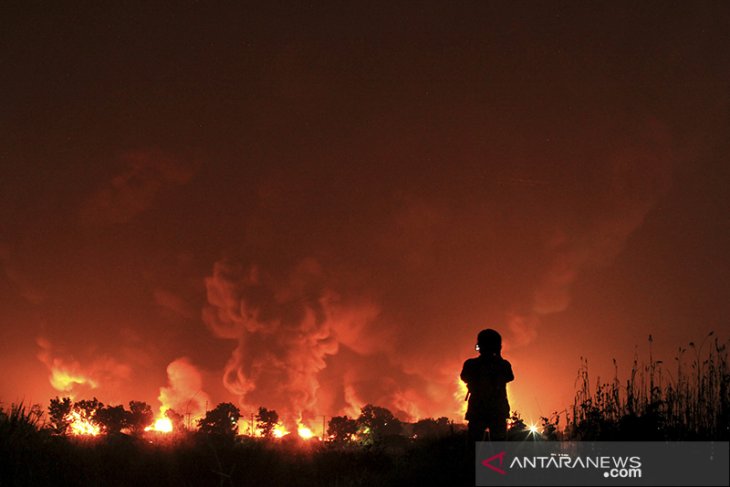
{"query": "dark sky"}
(315, 207)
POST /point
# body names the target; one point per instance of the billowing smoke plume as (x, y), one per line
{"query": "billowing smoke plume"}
(283, 328)
(306, 350)
(184, 391)
(387, 313)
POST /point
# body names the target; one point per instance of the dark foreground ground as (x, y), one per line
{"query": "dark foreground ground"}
(204, 460)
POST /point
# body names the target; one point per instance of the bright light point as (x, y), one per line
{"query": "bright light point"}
(304, 432)
(533, 429)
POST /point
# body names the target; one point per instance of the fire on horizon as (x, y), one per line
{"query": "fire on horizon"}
(312, 209)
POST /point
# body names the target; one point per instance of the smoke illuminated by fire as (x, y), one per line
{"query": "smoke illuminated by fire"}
(283, 330)
(184, 392)
(64, 377)
(64, 380)
(68, 375)
(302, 339)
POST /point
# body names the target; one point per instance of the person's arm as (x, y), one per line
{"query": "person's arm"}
(467, 374)
(508, 375)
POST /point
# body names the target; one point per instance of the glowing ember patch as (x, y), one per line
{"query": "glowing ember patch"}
(78, 425)
(304, 432)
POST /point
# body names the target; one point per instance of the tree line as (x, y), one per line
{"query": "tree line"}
(372, 425)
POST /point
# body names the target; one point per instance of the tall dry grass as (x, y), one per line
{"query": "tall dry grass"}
(686, 400)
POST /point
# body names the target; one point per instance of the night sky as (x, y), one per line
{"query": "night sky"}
(313, 207)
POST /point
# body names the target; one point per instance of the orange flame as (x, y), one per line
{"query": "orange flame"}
(460, 396)
(304, 432)
(80, 425)
(279, 431)
(161, 425)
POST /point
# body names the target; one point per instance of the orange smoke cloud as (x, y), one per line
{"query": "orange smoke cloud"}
(70, 376)
(134, 189)
(634, 181)
(184, 391)
(285, 327)
(306, 350)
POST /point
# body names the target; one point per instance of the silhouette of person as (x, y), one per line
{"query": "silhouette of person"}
(486, 378)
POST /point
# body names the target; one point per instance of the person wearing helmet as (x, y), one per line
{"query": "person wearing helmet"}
(486, 378)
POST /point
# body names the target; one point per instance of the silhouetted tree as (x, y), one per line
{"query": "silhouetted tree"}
(341, 429)
(429, 427)
(223, 420)
(140, 416)
(58, 413)
(376, 423)
(266, 420)
(113, 418)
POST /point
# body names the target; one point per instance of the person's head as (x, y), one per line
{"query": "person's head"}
(489, 341)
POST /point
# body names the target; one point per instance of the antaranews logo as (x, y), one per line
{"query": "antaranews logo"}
(611, 466)
(544, 463)
(500, 457)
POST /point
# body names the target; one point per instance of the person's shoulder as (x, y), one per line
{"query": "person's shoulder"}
(506, 363)
(471, 361)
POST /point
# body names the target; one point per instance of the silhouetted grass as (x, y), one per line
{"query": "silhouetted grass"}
(691, 403)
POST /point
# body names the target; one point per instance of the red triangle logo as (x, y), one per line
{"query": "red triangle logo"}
(488, 463)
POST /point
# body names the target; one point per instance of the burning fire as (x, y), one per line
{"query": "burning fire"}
(161, 425)
(304, 432)
(279, 431)
(80, 425)
(460, 396)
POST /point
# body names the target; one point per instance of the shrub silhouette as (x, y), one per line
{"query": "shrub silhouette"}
(113, 418)
(266, 420)
(341, 429)
(432, 428)
(58, 412)
(140, 417)
(376, 423)
(223, 420)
